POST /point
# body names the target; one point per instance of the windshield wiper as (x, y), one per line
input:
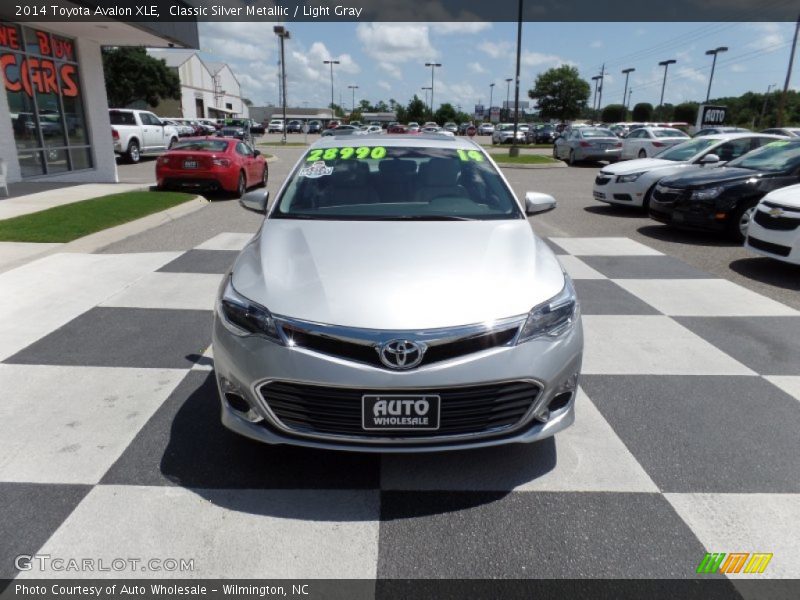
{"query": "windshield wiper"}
(426, 218)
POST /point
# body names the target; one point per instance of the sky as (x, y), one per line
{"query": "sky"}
(386, 60)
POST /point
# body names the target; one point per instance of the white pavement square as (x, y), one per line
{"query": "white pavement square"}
(589, 457)
(226, 241)
(190, 291)
(704, 298)
(577, 269)
(789, 384)
(41, 296)
(604, 246)
(70, 424)
(746, 523)
(650, 345)
(289, 534)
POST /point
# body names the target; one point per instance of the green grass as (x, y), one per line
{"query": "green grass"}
(523, 159)
(72, 221)
(286, 145)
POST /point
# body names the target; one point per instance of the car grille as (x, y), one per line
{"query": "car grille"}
(777, 223)
(472, 410)
(601, 180)
(366, 352)
(769, 246)
(667, 195)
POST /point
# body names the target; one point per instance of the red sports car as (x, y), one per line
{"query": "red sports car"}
(212, 163)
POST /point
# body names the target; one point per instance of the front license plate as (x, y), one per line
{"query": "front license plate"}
(599, 195)
(396, 412)
(190, 164)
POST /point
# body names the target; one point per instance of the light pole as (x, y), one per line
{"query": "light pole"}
(602, 81)
(433, 66)
(331, 63)
(630, 93)
(713, 52)
(354, 88)
(627, 73)
(665, 64)
(596, 79)
(425, 89)
(782, 101)
(491, 95)
(283, 34)
(514, 150)
(764, 106)
(508, 97)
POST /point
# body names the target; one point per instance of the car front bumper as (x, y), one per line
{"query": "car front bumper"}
(606, 189)
(783, 245)
(244, 364)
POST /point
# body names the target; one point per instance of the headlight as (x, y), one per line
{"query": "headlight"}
(241, 316)
(630, 177)
(553, 317)
(706, 194)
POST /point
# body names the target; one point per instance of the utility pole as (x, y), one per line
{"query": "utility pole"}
(602, 81)
(283, 34)
(596, 78)
(665, 64)
(764, 106)
(782, 101)
(425, 89)
(713, 52)
(331, 63)
(354, 88)
(627, 73)
(433, 66)
(508, 94)
(491, 95)
(514, 150)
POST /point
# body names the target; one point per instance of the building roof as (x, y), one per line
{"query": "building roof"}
(173, 58)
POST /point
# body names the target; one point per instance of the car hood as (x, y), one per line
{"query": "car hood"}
(394, 275)
(703, 178)
(638, 165)
(788, 196)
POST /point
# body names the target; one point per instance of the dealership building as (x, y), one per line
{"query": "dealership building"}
(54, 123)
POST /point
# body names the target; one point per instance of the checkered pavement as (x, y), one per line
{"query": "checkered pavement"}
(686, 437)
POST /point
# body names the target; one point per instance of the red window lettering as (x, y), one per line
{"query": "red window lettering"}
(68, 73)
(6, 61)
(44, 43)
(8, 37)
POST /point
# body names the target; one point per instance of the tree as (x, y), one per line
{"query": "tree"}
(685, 112)
(613, 113)
(356, 116)
(642, 112)
(247, 102)
(445, 113)
(560, 93)
(131, 74)
(415, 111)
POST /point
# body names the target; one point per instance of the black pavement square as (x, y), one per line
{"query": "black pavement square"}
(202, 261)
(768, 345)
(533, 535)
(31, 513)
(124, 337)
(185, 444)
(644, 267)
(557, 250)
(724, 434)
(604, 297)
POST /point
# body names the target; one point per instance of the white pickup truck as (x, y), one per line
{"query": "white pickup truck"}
(139, 132)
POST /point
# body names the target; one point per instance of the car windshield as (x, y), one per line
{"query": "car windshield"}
(687, 150)
(202, 146)
(596, 133)
(776, 156)
(669, 133)
(396, 183)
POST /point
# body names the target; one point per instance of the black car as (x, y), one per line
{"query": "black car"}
(546, 134)
(294, 127)
(257, 128)
(232, 131)
(723, 199)
(314, 127)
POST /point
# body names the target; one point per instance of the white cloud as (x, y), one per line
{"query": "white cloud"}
(537, 59)
(768, 35)
(597, 44)
(385, 85)
(476, 67)
(466, 27)
(496, 49)
(737, 68)
(394, 43)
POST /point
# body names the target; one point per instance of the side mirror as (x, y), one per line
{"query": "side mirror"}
(537, 202)
(709, 159)
(256, 152)
(256, 201)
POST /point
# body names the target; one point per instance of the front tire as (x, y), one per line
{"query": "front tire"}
(737, 227)
(241, 186)
(133, 154)
(571, 160)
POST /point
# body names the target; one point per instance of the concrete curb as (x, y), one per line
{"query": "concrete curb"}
(558, 165)
(100, 239)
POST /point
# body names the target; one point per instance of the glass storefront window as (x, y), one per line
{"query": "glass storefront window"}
(40, 73)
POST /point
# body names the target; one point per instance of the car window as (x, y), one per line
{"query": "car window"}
(591, 132)
(396, 183)
(686, 150)
(669, 133)
(121, 118)
(149, 119)
(778, 155)
(202, 146)
(243, 149)
(733, 149)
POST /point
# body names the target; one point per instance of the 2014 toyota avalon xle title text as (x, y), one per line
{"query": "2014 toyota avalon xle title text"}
(397, 299)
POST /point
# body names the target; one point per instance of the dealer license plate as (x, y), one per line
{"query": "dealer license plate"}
(396, 412)
(190, 164)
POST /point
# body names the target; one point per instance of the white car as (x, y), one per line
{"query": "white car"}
(371, 129)
(504, 134)
(485, 129)
(648, 141)
(275, 126)
(632, 182)
(774, 228)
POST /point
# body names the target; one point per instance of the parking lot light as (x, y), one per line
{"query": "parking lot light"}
(283, 34)
(433, 66)
(331, 63)
(713, 53)
(665, 64)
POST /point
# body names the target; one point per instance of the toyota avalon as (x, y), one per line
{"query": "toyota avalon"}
(397, 299)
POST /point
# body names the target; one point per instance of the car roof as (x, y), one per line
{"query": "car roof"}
(734, 135)
(428, 140)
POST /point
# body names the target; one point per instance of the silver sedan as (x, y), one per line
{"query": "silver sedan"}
(587, 143)
(396, 299)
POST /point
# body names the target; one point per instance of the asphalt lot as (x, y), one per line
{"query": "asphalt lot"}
(577, 215)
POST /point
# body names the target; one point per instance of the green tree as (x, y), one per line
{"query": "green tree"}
(415, 111)
(613, 113)
(356, 116)
(560, 93)
(131, 74)
(642, 112)
(685, 112)
(364, 106)
(445, 113)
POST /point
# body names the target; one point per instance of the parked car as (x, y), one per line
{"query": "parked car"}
(724, 199)
(336, 350)
(294, 126)
(485, 129)
(543, 134)
(774, 229)
(649, 141)
(275, 126)
(587, 143)
(371, 129)
(504, 134)
(314, 126)
(715, 130)
(233, 131)
(138, 133)
(184, 129)
(631, 183)
(451, 127)
(785, 131)
(212, 163)
(340, 130)
(413, 127)
(397, 128)
(257, 128)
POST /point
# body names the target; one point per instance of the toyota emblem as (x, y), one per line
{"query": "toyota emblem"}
(401, 354)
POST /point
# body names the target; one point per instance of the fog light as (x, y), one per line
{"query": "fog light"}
(560, 401)
(237, 400)
(237, 403)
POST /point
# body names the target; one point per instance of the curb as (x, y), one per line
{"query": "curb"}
(558, 165)
(100, 239)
